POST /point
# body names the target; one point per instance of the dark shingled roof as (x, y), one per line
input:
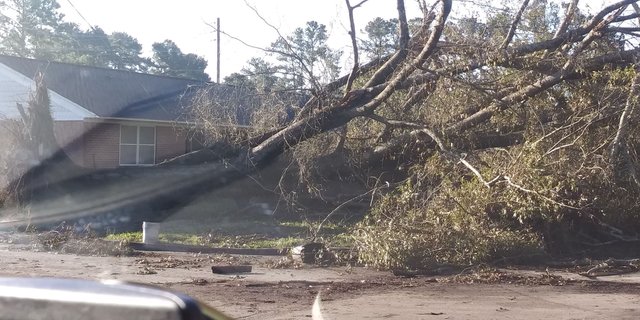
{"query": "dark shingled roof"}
(113, 93)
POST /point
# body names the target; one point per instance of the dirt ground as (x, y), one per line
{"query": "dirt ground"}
(348, 293)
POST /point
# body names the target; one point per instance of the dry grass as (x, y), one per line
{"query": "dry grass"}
(67, 240)
(16, 159)
(485, 275)
(284, 263)
(10, 169)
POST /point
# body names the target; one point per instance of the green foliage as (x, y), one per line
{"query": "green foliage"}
(541, 19)
(31, 140)
(27, 28)
(279, 243)
(472, 29)
(214, 240)
(169, 60)
(125, 236)
(382, 37)
(305, 58)
(258, 75)
(39, 137)
(553, 190)
(417, 230)
(94, 47)
(126, 52)
(36, 29)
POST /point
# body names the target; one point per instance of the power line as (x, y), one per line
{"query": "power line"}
(80, 14)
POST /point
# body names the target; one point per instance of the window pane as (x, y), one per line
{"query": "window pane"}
(147, 135)
(128, 134)
(147, 155)
(127, 154)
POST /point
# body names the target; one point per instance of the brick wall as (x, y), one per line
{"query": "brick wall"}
(70, 137)
(102, 145)
(170, 142)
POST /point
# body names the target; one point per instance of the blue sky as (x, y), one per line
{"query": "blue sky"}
(185, 22)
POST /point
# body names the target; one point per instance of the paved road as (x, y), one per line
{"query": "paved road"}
(347, 293)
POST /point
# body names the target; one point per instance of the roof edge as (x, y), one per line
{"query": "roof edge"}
(54, 97)
(117, 119)
(106, 69)
(182, 123)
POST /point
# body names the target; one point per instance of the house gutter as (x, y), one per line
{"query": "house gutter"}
(169, 122)
(113, 119)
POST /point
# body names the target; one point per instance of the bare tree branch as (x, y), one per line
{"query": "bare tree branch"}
(539, 86)
(636, 8)
(514, 25)
(359, 4)
(354, 45)
(568, 17)
(618, 6)
(411, 125)
(423, 92)
(337, 208)
(354, 71)
(523, 189)
(290, 51)
(428, 49)
(383, 73)
(575, 35)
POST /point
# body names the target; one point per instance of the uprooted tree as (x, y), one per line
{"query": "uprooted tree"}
(477, 139)
(508, 134)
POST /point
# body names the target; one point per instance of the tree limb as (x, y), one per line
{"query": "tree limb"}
(552, 44)
(621, 163)
(514, 25)
(566, 21)
(428, 49)
(354, 45)
(383, 73)
(541, 85)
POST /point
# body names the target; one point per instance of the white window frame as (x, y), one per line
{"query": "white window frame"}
(137, 145)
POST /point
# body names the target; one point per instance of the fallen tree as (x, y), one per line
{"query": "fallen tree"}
(428, 74)
(490, 118)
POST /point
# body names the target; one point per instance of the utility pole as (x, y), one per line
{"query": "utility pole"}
(218, 52)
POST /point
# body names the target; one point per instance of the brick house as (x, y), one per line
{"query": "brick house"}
(106, 118)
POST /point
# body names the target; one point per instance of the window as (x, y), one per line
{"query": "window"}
(137, 145)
